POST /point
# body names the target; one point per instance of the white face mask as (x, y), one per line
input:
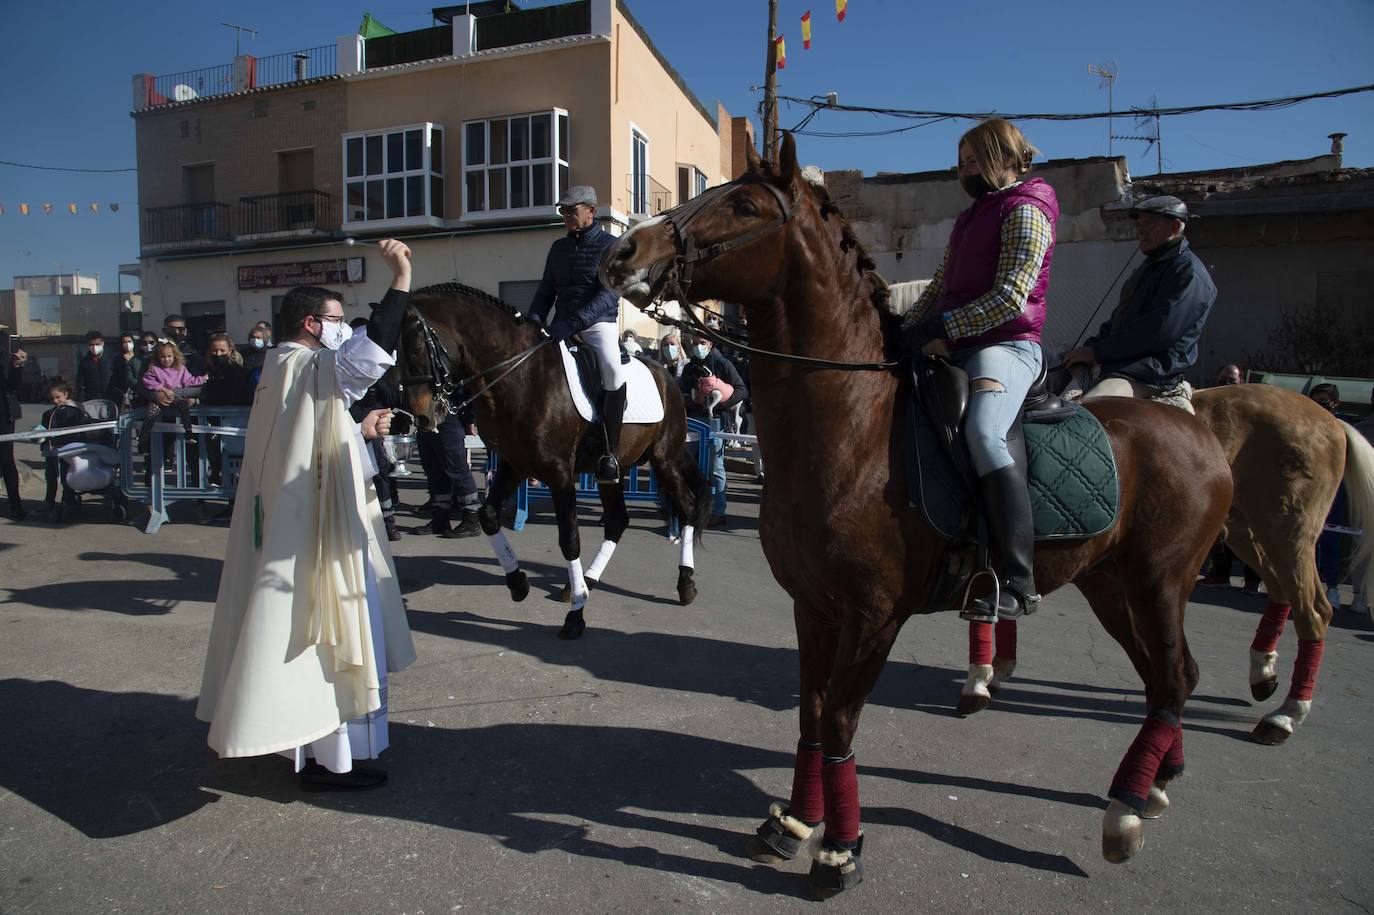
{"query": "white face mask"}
(258, 343)
(148, 347)
(128, 346)
(333, 334)
(97, 349)
(671, 350)
(700, 350)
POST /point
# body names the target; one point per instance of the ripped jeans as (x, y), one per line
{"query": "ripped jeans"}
(1015, 365)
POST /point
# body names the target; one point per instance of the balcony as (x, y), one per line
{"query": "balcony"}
(244, 73)
(290, 214)
(191, 225)
(647, 196)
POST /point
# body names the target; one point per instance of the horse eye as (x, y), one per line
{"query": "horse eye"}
(746, 207)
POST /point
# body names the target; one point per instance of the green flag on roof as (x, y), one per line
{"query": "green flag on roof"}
(371, 28)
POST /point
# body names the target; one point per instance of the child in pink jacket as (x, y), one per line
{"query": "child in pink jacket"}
(167, 372)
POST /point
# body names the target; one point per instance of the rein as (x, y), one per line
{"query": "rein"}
(679, 280)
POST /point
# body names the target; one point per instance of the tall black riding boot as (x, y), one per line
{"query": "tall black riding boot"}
(612, 412)
(1007, 504)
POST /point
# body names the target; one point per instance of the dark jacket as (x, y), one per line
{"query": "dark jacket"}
(571, 286)
(125, 378)
(11, 377)
(93, 376)
(226, 386)
(195, 362)
(722, 368)
(1152, 336)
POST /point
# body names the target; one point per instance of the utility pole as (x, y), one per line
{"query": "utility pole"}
(770, 87)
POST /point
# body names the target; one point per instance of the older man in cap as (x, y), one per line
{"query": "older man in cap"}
(1151, 338)
(584, 308)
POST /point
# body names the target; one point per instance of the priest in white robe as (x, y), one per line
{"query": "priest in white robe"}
(309, 617)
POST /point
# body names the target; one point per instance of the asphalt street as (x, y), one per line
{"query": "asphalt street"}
(623, 772)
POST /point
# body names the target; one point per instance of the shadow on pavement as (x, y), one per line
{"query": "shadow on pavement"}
(114, 764)
(186, 578)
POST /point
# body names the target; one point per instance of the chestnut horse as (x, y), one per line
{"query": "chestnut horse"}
(835, 526)
(529, 419)
(1287, 456)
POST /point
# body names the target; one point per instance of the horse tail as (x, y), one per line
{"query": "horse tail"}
(1359, 488)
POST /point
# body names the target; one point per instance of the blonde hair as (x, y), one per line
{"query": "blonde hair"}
(234, 355)
(177, 360)
(998, 145)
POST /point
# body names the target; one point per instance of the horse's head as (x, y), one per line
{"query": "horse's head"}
(730, 242)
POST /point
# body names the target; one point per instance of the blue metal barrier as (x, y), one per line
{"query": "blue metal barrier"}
(190, 474)
(640, 483)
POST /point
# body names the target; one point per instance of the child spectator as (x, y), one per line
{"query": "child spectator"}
(227, 382)
(167, 380)
(64, 413)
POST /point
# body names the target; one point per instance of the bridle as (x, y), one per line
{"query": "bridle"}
(678, 271)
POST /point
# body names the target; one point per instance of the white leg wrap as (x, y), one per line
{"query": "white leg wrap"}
(602, 558)
(979, 676)
(1120, 820)
(505, 554)
(1264, 666)
(577, 585)
(1290, 714)
(688, 558)
(1002, 669)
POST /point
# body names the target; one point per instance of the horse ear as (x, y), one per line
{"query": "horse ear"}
(752, 163)
(788, 169)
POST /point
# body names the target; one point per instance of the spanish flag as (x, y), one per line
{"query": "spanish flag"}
(806, 31)
(780, 51)
(840, 6)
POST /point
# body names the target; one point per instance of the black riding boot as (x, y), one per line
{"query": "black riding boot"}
(1007, 504)
(612, 412)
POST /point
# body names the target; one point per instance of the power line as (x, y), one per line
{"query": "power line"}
(1257, 105)
(53, 168)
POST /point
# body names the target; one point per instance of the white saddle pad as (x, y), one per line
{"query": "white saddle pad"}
(642, 403)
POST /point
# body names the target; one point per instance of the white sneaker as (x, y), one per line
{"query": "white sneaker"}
(1333, 597)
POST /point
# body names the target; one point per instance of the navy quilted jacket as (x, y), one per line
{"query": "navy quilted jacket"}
(570, 285)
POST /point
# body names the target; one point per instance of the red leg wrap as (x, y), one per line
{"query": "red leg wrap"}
(1271, 627)
(1172, 766)
(1006, 639)
(1305, 670)
(841, 781)
(1137, 772)
(979, 643)
(808, 797)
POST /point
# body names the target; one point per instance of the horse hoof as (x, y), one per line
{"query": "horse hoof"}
(1122, 836)
(758, 849)
(1156, 803)
(686, 587)
(835, 871)
(1002, 669)
(972, 703)
(778, 838)
(519, 585)
(1269, 734)
(573, 626)
(1264, 689)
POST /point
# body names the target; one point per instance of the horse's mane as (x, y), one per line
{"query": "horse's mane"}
(455, 288)
(849, 241)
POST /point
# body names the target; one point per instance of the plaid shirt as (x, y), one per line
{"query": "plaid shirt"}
(1026, 236)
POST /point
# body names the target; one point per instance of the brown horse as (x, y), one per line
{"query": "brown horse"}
(1287, 456)
(530, 421)
(835, 526)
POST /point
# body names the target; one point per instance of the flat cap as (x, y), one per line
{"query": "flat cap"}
(1164, 205)
(580, 194)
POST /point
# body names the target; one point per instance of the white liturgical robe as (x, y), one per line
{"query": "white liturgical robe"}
(309, 616)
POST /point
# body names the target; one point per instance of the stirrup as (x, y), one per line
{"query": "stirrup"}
(608, 469)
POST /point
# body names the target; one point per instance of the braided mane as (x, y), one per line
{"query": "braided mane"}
(457, 289)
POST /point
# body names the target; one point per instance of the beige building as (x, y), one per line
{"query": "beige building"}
(457, 138)
(58, 284)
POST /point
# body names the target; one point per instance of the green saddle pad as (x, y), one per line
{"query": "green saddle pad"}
(1074, 490)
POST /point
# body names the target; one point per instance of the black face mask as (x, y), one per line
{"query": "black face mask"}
(975, 186)
(219, 362)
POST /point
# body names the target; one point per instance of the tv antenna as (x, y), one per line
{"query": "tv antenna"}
(238, 33)
(1143, 118)
(1106, 73)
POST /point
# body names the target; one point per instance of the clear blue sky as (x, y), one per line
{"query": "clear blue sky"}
(68, 67)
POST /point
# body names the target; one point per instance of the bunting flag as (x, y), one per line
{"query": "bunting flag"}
(114, 208)
(2, 209)
(806, 31)
(780, 52)
(23, 209)
(95, 208)
(840, 7)
(71, 208)
(47, 209)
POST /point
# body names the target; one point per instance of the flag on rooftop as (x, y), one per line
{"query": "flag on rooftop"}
(371, 28)
(806, 31)
(840, 6)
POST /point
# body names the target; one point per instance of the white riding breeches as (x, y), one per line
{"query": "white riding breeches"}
(604, 339)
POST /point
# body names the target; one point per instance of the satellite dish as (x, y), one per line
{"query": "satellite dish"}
(183, 93)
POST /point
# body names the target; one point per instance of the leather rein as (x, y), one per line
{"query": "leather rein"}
(679, 271)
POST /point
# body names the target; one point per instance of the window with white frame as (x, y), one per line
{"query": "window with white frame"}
(394, 174)
(514, 164)
(691, 181)
(639, 172)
